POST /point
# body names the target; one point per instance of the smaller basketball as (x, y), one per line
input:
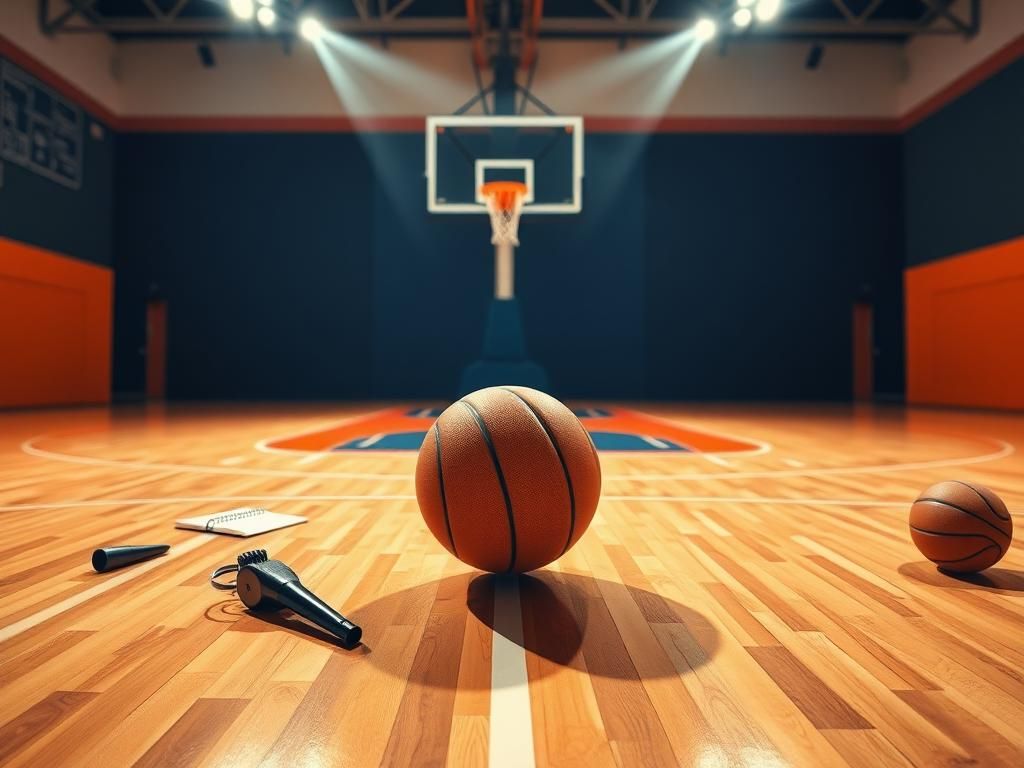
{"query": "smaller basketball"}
(961, 527)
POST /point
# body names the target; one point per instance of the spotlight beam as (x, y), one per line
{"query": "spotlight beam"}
(656, 69)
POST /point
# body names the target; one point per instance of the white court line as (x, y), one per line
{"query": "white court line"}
(313, 457)
(232, 461)
(202, 469)
(652, 441)
(372, 440)
(762, 500)
(263, 446)
(1005, 449)
(715, 459)
(203, 500)
(759, 500)
(793, 463)
(762, 445)
(409, 497)
(15, 629)
(511, 731)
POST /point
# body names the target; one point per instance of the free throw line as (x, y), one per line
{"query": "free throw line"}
(37, 618)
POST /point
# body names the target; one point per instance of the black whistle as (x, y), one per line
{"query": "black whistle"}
(264, 584)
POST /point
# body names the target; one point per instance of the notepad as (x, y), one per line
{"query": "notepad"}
(244, 521)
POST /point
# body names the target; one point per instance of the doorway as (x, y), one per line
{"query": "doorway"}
(863, 352)
(156, 349)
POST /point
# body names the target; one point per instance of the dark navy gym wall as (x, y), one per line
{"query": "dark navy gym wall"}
(79, 222)
(430, 282)
(261, 246)
(964, 167)
(708, 267)
(579, 279)
(757, 248)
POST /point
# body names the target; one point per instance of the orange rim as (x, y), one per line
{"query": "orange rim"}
(504, 193)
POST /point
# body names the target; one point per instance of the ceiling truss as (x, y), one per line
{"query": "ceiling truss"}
(613, 19)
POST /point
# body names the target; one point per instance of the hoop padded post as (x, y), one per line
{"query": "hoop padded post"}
(504, 271)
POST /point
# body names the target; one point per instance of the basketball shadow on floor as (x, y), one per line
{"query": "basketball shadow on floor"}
(1002, 581)
(439, 634)
(577, 621)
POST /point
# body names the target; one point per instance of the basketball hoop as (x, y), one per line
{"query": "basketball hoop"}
(505, 204)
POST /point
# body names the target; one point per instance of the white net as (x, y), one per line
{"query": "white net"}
(504, 204)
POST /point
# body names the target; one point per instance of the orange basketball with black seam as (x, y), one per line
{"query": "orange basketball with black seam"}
(961, 527)
(508, 479)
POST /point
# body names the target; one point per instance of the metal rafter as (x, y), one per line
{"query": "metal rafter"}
(844, 9)
(80, 16)
(611, 10)
(167, 16)
(75, 8)
(942, 9)
(869, 10)
(362, 9)
(399, 9)
(873, 6)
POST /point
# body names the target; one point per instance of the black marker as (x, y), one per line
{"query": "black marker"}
(109, 558)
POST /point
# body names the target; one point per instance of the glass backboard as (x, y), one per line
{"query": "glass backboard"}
(463, 152)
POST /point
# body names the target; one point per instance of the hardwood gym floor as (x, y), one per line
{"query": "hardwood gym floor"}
(762, 609)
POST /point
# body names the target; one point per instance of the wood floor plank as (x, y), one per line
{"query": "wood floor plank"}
(253, 731)
(187, 741)
(768, 610)
(424, 719)
(973, 735)
(40, 717)
(866, 749)
(821, 705)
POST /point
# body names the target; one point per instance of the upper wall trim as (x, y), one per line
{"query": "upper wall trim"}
(597, 124)
(271, 124)
(676, 124)
(413, 124)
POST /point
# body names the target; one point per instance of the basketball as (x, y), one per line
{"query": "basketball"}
(961, 527)
(507, 479)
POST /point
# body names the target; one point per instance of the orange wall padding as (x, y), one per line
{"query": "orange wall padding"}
(55, 328)
(965, 329)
